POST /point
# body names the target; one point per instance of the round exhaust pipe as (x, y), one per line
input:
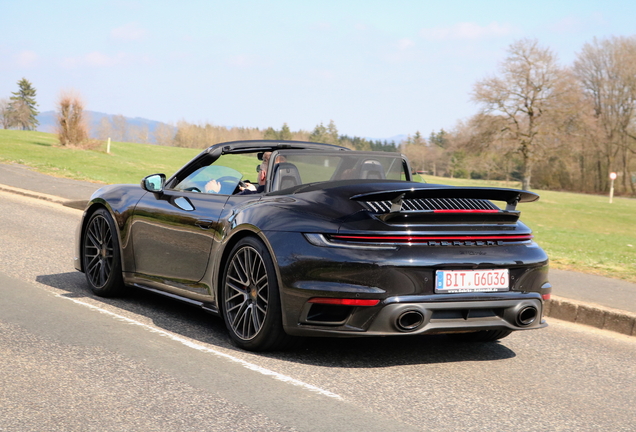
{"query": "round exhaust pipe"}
(409, 320)
(527, 316)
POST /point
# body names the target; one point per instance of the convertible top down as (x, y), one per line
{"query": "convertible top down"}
(338, 243)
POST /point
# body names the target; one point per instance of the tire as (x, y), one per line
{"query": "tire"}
(101, 255)
(250, 298)
(480, 336)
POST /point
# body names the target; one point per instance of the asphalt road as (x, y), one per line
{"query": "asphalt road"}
(74, 362)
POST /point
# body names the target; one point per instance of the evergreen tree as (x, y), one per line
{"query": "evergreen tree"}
(326, 135)
(417, 138)
(440, 138)
(23, 100)
(332, 133)
(319, 134)
(270, 134)
(285, 133)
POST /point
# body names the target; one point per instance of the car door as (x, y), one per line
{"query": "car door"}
(172, 235)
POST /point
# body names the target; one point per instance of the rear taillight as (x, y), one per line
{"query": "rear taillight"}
(344, 301)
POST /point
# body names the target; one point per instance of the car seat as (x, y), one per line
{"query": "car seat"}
(286, 175)
(372, 169)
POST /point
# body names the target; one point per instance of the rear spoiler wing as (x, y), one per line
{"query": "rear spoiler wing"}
(512, 197)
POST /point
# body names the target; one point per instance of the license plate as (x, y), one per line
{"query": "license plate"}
(463, 281)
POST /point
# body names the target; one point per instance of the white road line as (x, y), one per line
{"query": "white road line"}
(205, 349)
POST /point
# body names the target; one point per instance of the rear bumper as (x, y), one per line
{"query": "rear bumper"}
(404, 315)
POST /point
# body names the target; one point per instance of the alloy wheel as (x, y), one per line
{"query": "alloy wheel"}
(246, 293)
(98, 251)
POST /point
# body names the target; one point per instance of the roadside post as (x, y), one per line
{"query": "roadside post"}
(108, 152)
(612, 177)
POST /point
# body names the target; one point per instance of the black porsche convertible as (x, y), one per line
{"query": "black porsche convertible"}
(334, 243)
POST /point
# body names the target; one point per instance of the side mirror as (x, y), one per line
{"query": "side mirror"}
(154, 183)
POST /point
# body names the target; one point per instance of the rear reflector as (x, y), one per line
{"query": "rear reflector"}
(343, 301)
(545, 296)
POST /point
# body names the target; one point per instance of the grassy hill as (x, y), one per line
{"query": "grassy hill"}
(579, 232)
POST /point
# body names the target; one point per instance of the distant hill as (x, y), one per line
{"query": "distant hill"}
(48, 122)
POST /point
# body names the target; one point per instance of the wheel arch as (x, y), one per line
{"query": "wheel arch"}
(236, 236)
(88, 213)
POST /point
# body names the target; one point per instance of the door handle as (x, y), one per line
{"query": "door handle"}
(204, 224)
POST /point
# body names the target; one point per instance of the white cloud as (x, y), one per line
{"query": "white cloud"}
(26, 59)
(406, 43)
(466, 30)
(129, 32)
(99, 59)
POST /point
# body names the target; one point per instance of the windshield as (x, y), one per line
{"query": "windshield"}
(211, 179)
(302, 167)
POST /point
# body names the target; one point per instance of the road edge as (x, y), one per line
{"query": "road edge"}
(76, 204)
(590, 314)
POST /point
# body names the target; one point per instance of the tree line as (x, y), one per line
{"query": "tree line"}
(546, 125)
(203, 135)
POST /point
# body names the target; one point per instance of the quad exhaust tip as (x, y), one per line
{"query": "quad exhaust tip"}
(409, 320)
(527, 316)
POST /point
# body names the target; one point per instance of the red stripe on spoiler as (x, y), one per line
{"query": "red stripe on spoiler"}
(465, 211)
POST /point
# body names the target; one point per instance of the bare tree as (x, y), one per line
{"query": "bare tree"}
(607, 70)
(164, 134)
(71, 124)
(104, 129)
(5, 113)
(139, 134)
(20, 115)
(417, 154)
(522, 95)
(119, 128)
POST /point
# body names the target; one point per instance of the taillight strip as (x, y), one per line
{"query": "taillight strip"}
(380, 239)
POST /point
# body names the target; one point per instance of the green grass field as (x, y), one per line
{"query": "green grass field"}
(579, 232)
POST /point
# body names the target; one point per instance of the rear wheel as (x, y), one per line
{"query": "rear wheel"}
(480, 336)
(251, 300)
(101, 257)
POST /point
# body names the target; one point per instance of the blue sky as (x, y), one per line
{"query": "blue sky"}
(376, 68)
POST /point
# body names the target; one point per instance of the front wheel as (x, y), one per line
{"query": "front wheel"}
(101, 258)
(251, 300)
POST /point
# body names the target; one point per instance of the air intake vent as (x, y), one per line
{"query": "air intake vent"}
(433, 204)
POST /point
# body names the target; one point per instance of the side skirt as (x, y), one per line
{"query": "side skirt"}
(208, 307)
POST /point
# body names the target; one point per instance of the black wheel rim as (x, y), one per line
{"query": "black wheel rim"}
(246, 293)
(98, 251)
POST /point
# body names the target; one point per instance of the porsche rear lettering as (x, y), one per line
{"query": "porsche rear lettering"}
(465, 243)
